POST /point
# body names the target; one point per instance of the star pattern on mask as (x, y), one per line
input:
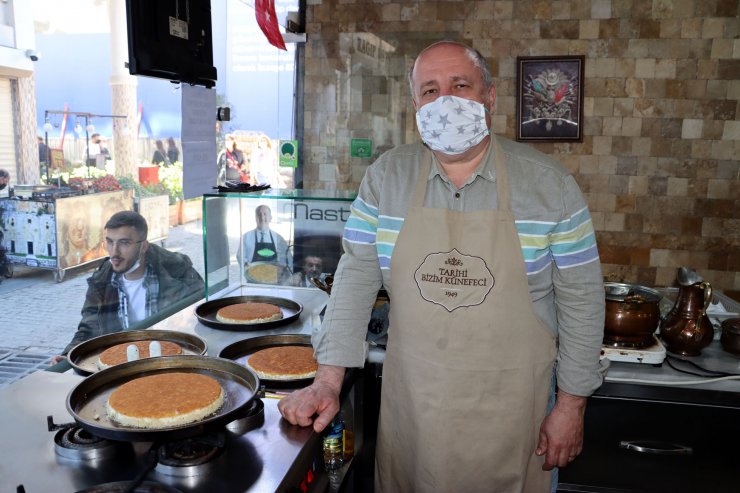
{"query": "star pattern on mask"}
(444, 121)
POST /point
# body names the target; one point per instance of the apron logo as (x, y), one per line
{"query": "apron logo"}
(453, 280)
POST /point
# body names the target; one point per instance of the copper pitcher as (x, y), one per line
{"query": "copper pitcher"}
(686, 329)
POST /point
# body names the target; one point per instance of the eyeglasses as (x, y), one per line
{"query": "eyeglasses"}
(123, 244)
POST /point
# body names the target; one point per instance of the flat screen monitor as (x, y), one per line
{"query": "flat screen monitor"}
(171, 39)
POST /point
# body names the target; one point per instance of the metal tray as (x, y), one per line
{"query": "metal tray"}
(84, 356)
(241, 350)
(206, 312)
(87, 401)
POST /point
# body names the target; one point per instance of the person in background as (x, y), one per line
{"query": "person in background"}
(263, 162)
(487, 251)
(5, 188)
(160, 154)
(313, 266)
(93, 150)
(43, 153)
(231, 163)
(104, 147)
(173, 153)
(264, 245)
(136, 282)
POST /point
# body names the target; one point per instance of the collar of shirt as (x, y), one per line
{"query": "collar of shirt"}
(485, 169)
(151, 285)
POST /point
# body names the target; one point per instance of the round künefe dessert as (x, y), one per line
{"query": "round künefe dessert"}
(249, 313)
(115, 355)
(165, 400)
(263, 273)
(283, 363)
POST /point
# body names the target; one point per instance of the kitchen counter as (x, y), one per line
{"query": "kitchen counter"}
(264, 459)
(274, 457)
(313, 301)
(654, 429)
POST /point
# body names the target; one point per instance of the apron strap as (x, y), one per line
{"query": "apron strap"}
(421, 183)
(502, 176)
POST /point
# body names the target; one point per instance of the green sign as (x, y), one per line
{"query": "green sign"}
(288, 153)
(361, 148)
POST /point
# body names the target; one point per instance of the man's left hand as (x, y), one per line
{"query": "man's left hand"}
(561, 432)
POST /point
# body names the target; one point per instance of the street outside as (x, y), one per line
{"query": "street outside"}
(40, 316)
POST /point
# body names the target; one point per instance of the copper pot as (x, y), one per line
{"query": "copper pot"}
(686, 329)
(632, 314)
(730, 338)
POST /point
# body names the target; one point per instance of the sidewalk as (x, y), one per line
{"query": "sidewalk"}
(39, 315)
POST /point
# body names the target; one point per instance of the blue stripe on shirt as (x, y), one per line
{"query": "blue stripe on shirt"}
(568, 243)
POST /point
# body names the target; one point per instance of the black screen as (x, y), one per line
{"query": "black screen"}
(171, 39)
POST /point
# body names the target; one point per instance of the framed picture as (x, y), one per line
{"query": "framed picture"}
(549, 98)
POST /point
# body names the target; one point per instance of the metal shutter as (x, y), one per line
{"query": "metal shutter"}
(8, 159)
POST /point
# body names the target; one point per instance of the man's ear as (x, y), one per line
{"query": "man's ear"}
(492, 99)
(144, 247)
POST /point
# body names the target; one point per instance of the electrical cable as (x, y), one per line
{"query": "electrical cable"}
(713, 373)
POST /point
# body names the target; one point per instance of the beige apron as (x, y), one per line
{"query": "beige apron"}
(467, 372)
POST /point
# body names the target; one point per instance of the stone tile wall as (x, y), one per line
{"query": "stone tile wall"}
(659, 162)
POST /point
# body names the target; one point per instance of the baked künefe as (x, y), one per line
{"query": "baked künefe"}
(264, 273)
(165, 400)
(249, 313)
(283, 363)
(115, 355)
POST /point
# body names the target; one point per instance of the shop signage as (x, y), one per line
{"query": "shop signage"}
(361, 148)
(289, 153)
(57, 158)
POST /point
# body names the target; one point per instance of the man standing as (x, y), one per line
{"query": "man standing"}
(43, 153)
(264, 245)
(138, 281)
(487, 251)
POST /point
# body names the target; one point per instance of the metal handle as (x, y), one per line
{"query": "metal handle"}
(655, 447)
(707, 296)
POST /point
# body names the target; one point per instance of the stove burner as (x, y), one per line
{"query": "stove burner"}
(123, 486)
(78, 438)
(76, 443)
(189, 457)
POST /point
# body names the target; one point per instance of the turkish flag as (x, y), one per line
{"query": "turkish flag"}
(267, 20)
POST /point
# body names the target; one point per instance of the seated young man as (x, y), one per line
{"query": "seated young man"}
(136, 282)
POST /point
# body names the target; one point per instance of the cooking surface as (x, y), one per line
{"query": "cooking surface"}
(256, 461)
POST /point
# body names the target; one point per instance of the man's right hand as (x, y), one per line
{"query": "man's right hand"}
(316, 404)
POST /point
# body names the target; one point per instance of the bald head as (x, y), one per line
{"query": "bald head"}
(473, 55)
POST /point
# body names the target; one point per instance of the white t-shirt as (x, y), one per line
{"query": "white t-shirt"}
(136, 295)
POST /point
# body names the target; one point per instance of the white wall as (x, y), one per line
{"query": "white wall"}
(16, 36)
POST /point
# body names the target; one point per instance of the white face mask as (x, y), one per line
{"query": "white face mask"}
(451, 124)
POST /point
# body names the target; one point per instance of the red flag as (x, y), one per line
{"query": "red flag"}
(264, 10)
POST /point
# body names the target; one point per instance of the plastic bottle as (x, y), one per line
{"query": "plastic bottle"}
(346, 415)
(334, 445)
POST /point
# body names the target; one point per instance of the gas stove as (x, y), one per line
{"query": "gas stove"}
(260, 452)
(653, 353)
